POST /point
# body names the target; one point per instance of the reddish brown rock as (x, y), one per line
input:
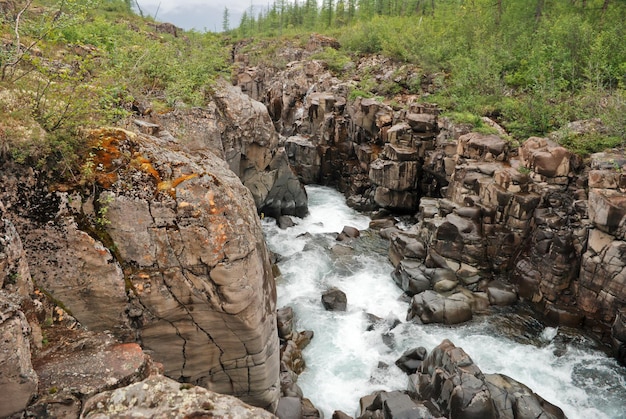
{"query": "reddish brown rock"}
(545, 157)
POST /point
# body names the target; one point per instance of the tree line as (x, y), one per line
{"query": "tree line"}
(281, 15)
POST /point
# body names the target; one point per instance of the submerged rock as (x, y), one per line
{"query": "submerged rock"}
(334, 300)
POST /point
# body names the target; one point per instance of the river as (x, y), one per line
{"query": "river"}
(563, 366)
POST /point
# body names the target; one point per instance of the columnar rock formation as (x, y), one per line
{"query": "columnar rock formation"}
(447, 383)
(548, 226)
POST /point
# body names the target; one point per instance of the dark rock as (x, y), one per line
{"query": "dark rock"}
(501, 294)
(431, 307)
(411, 360)
(334, 300)
(413, 277)
(513, 399)
(284, 222)
(309, 411)
(449, 376)
(284, 319)
(351, 232)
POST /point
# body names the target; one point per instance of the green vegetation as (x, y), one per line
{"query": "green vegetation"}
(74, 64)
(532, 65)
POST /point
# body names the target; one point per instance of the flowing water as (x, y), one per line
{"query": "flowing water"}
(344, 359)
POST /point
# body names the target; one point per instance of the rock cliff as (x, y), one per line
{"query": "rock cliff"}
(239, 130)
(162, 247)
(493, 221)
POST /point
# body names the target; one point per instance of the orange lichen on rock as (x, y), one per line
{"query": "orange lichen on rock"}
(145, 165)
(170, 185)
(105, 157)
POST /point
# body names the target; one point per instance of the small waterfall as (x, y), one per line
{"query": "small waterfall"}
(345, 361)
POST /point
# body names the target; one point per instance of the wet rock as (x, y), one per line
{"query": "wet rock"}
(413, 277)
(411, 360)
(432, 307)
(394, 404)
(348, 233)
(309, 411)
(618, 335)
(351, 232)
(513, 399)
(501, 294)
(284, 318)
(449, 376)
(285, 222)
(334, 300)
(563, 316)
(158, 396)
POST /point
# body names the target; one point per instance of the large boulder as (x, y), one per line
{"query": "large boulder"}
(334, 300)
(513, 399)
(393, 405)
(432, 307)
(159, 396)
(165, 249)
(239, 129)
(449, 377)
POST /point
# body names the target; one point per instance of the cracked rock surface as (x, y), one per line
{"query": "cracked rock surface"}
(165, 250)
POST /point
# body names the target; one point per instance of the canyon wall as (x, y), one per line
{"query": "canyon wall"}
(498, 220)
(159, 243)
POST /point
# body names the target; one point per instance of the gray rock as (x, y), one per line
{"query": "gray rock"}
(501, 294)
(513, 399)
(431, 307)
(334, 300)
(18, 380)
(158, 396)
(289, 408)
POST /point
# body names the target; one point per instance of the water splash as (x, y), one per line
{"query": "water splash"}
(345, 361)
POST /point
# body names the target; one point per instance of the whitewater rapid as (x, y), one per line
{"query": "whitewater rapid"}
(345, 361)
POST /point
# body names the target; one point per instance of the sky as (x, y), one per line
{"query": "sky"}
(199, 14)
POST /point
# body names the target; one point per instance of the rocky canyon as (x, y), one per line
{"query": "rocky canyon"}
(148, 282)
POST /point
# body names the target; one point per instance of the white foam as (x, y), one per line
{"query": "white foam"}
(342, 358)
